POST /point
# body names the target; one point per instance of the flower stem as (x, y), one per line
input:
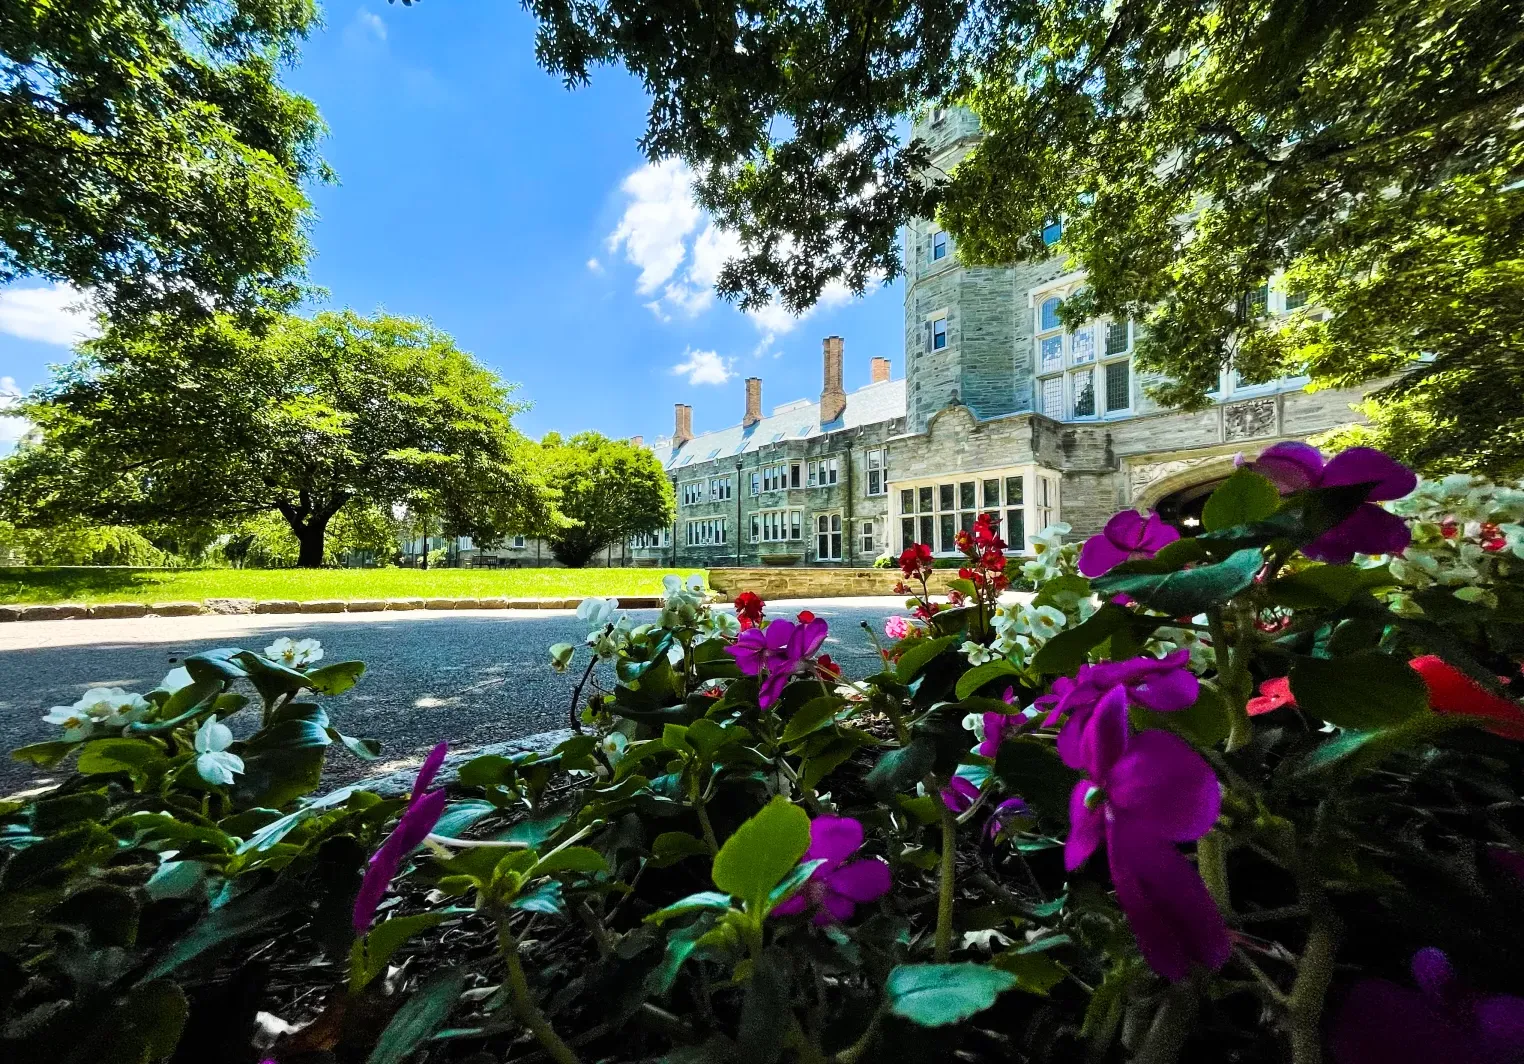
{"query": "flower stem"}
(1171, 1026)
(524, 1006)
(701, 808)
(1314, 972)
(855, 1051)
(576, 724)
(947, 885)
(1233, 677)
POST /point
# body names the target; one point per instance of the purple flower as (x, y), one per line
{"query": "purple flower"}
(837, 887)
(1164, 685)
(1002, 815)
(423, 811)
(960, 794)
(998, 727)
(776, 653)
(1128, 536)
(1442, 1020)
(1144, 794)
(1295, 466)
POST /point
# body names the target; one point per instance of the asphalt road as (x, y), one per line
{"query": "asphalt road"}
(472, 676)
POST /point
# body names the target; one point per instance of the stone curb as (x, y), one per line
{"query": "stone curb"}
(74, 611)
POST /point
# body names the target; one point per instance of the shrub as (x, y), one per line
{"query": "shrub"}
(1198, 799)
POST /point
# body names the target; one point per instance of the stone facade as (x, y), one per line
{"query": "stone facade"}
(1003, 409)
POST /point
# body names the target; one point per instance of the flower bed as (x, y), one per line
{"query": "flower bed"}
(1251, 796)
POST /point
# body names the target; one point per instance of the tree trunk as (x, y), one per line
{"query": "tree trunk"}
(310, 539)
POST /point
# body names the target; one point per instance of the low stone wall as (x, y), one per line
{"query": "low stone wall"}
(73, 611)
(801, 582)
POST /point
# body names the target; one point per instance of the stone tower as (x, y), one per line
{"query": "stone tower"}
(968, 330)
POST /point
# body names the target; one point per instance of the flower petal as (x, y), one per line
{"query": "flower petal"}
(1104, 737)
(1433, 974)
(1166, 690)
(1500, 1026)
(1360, 465)
(1156, 534)
(418, 820)
(807, 639)
(1291, 466)
(791, 906)
(834, 908)
(1126, 529)
(1086, 826)
(1099, 556)
(1383, 1023)
(429, 769)
(1273, 694)
(1452, 691)
(1164, 788)
(1369, 530)
(1167, 905)
(834, 839)
(862, 881)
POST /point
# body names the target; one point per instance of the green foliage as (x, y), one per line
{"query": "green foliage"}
(77, 545)
(607, 490)
(167, 420)
(150, 153)
(935, 995)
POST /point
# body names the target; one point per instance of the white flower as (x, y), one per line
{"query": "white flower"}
(1041, 622)
(213, 763)
(718, 623)
(175, 679)
(76, 723)
(598, 612)
(294, 653)
(974, 722)
(99, 708)
(977, 653)
(613, 746)
(561, 655)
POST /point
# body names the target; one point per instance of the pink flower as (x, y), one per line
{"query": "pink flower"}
(1128, 536)
(897, 627)
(423, 811)
(960, 794)
(998, 727)
(1003, 814)
(1295, 466)
(838, 886)
(777, 652)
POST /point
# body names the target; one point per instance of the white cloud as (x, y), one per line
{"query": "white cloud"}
(11, 428)
(594, 265)
(57, 314)
(654, 228)
(703, 367)
(364, 28)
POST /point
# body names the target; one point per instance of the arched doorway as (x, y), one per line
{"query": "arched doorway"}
(1183, 508)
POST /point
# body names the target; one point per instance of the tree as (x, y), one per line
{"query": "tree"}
(148, 152)
(608, 490)
(1368, 151)
(202, 420)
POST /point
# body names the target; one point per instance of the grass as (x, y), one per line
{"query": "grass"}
(102, 584)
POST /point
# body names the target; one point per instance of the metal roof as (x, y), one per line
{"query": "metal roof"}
(799, 419)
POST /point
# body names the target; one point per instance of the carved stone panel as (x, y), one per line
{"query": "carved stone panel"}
(1251, 420)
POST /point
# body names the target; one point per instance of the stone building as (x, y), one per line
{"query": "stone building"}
(1003, 410)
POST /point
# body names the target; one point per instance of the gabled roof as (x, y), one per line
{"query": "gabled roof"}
(797, 420)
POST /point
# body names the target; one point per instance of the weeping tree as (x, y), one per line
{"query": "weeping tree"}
(607, 491)
(172, 419)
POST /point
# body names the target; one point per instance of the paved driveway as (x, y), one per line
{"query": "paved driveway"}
(470, 676)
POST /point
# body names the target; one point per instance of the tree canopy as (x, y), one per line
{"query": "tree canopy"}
(1365, 154)
(177, 420)
(148, 152)
(608, 491)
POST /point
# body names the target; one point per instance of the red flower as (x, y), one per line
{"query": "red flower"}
(1453, 692)
(985, 535)
(1449, 528)
(993, 558)
(1273, 694)
(827, 665)
(955, 598)
(966, 574)
(749, 609)
(964, 542)
(805, 616)
(1492, 538)
(901, 588)
(915, 558)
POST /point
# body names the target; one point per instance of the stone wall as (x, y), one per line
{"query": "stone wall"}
(772, 583)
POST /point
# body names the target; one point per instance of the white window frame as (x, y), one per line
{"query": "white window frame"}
(1081, 354)
(782, 525)
(868, 540)
(935, 246)
(706, 532)
(1011, 507)
(693, 492)
(876, 461)
(828, 531)
(519, 543)
(719, 489)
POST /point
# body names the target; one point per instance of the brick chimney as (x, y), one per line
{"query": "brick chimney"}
(637, 441)
(682, 429)
(833, 399)
(880, 370)
(753, 402)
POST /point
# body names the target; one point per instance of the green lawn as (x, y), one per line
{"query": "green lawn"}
(88, 584)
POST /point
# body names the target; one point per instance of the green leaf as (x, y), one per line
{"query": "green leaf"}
(1034, 771)
(792, 882)
(217, 664)
(132, 756)
(681, 943)
(417, 1020)
(1244, 497)
(920, 655)
(1070, 649)
(671, 847)
(364, 749)
(1317, 587)
(1061, 590)
(935, 995)
(1186, 592)
(903, 767)
(1036, 973)
(1204, 723)
(1364, 690)
(43, 755)
(815, 714)
(243, 915)
(371, 953)
(458, 816)
(269, 678)
(571, 859)
(762, 851)
(336, 678)
(975, 678)
(144, 1026)
(703, 900)
(535, 831)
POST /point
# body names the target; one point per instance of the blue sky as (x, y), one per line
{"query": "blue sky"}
(476, 191)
